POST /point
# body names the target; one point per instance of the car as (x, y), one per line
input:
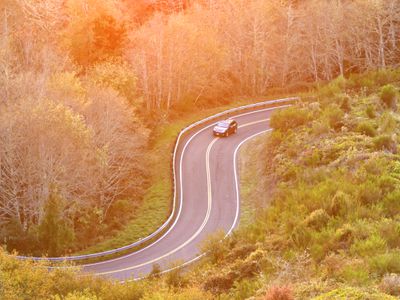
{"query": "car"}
(225, 128)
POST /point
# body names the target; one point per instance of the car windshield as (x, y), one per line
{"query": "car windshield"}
(223, 124)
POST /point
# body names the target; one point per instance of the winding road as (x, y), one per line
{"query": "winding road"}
(207, 183)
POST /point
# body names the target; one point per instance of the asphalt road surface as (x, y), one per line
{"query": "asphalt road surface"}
(208, 186)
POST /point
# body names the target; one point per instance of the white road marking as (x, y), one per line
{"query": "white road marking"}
(237, 207)
(199, 230)
(253, 123)
(180, 210)
(181, 187)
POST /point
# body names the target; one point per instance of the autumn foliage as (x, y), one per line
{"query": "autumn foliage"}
(82, 81)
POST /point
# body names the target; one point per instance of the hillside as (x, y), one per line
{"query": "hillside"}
(85, 84)
(325, 210)
(94, 92)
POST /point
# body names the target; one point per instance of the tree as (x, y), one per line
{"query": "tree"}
(165, 80)
(54, 232)
(95, 31)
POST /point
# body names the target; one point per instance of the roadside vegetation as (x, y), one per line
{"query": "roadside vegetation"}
(85, 86)
(324, 210)
(93, 94)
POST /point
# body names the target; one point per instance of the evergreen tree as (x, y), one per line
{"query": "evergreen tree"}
(54, 232)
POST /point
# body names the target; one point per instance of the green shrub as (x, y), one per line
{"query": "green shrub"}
(391, 204)
(390, 231)
(387, 123)
(350, 293)
(387, 183)
(388, 96)
(241, 251)
(338, 204)
(175, 278)
(301, 236)
(318, 252)
(289, 118)
(274, 140)
(317, 219)
(369, 193)
(333, 264)
(355, 274)
(155, 271)
(245, 268)
(385, 142)
(333, 88)
(385, 263)
(369, 247)
(334, 115)
(343, 237)
(370, 111)
(346, 104)
(313, 158)
(362, 81)
(263, 260)
(219, 283)
(244, 289)
(366, 128)
(215, 249)
(320, 127)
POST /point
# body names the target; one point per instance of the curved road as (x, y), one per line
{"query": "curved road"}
(208, 187)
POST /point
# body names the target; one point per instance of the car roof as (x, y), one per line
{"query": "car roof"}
(228, 121)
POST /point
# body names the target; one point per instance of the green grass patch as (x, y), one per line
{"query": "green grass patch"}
(250, 171)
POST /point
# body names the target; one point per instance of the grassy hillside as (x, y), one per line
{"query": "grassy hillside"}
(325, 210)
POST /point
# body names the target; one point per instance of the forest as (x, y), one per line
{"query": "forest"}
(84, 82)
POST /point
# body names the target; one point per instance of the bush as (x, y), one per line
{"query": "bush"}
(334, 115)
(361, 81)
(301, 236)
(219, 283)
(353, 294)
(387, 123)
(289, 118)
(370, 111)
(274, 140)
(366, 128)
(344, 237)
(215, 249)
(333, 88)
(388, 96)
(369, 193)
(369, 247)
(279, 293)
(390, 231)
(385, 263)
(385, 142)
(245, 268)
(346, 104)
(155, 270)
(390, 284)
(333, 264)
(317, 219)
(391, 203)
(241, 251)
(355, 274)
(244, 289)
(174, 278)
(320, 127)
(338, 204)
